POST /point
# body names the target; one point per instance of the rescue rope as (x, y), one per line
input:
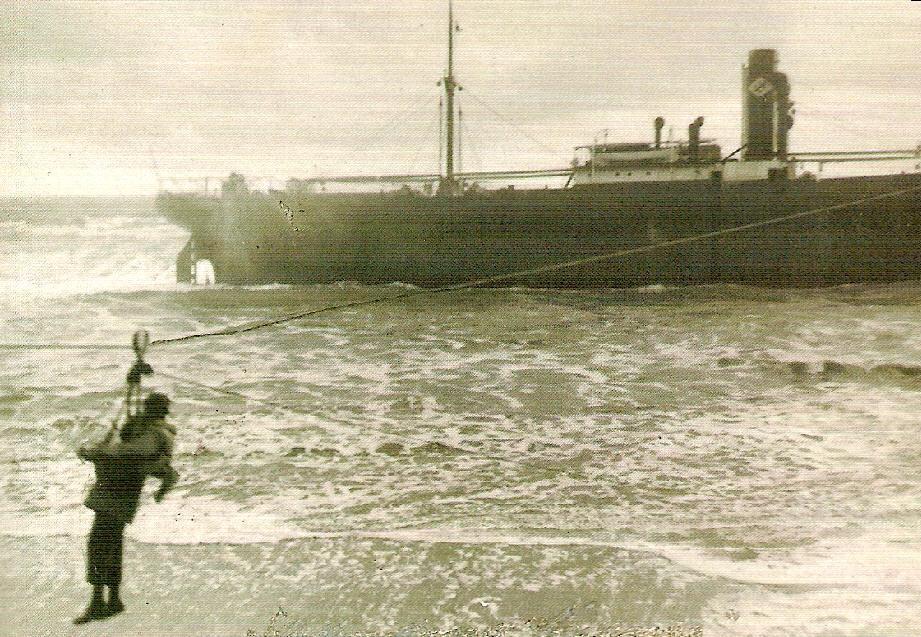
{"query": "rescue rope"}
(63, 346)
(499, 278)
(300, 412)
(243, 328)
(249, 327)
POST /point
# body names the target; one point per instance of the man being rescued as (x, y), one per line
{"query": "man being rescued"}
(145, 448)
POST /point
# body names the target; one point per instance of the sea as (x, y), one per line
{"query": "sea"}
(743, 460)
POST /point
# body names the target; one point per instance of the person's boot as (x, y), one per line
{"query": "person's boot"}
(115, 606)
(96, 609)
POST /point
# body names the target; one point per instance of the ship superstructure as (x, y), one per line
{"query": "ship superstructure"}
(441, 228)
(767, 120)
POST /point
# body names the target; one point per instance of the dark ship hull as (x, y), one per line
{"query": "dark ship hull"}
(444, 240)
(623, 197)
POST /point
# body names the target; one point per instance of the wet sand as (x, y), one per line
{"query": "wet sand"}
(345, 586)
(739, 458)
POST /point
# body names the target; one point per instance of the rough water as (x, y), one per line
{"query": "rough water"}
(741, 459)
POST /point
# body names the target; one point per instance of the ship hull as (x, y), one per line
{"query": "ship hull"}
(282, 237)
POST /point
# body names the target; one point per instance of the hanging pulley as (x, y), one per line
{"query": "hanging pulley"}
(140, 341)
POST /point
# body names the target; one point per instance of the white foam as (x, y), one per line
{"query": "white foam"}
(869, 561)
(203, 520)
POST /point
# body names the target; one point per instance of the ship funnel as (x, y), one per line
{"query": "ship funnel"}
(659, 124)
(694, 139)
(767, 112)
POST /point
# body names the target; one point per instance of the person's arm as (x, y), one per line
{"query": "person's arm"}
(168, 477)
(93, 453)
(143, 447)
(108, 437)
(89, 453)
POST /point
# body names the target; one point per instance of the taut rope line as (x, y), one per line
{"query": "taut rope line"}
(93, 347)
(294, 410)
(250, 327)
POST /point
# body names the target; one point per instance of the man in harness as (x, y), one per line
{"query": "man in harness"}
(145, 447)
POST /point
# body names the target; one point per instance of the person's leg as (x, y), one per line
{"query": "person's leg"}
(114, 579)
(95, 567)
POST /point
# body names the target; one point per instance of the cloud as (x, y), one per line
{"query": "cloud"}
(278, 86)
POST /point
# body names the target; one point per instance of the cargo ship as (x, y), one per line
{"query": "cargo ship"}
(440, 229)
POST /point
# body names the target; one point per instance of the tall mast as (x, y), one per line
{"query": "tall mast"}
(450, 86)
(441, 132)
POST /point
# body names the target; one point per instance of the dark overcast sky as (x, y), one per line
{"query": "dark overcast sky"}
(100, 97)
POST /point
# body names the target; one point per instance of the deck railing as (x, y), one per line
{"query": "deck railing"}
(428, 183)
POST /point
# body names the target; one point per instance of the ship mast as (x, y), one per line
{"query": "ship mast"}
(448, 184)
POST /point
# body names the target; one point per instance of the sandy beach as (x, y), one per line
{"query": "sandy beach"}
(526, 462)
(341, 586)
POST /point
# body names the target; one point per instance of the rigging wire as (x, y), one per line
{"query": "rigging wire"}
(472, 149)
(422, 144)
(511, 123)
(417, 102)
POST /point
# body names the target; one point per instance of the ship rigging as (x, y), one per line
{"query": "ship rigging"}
(434, 229)
(767, 116)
